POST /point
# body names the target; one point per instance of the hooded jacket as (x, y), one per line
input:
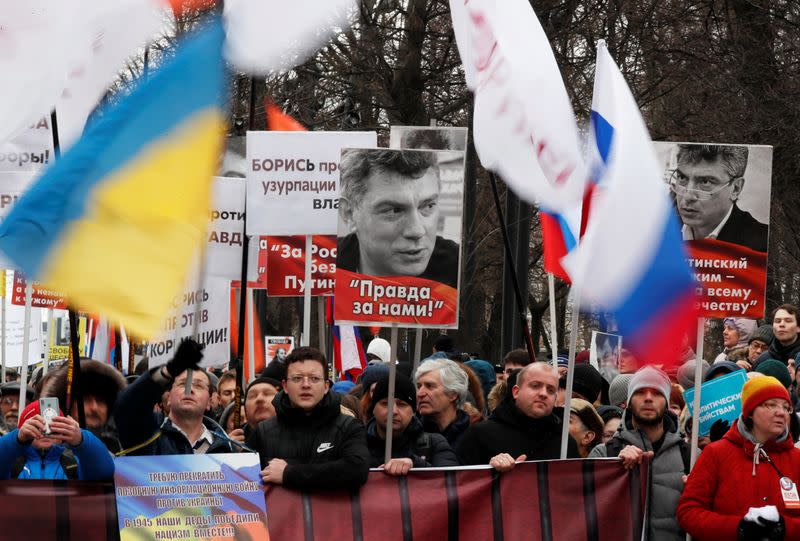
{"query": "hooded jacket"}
(728, 479)
(510, 431)
(94, 462)
(425, 450)
(668, 469)
(324, 448)
(138, 423)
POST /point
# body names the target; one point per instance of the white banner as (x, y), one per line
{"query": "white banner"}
(293, 180)
(15, 325)
(212, 305)
(30, 150)
(225, 230)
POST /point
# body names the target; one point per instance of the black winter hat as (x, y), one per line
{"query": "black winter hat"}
(588, 382)
(403, 390)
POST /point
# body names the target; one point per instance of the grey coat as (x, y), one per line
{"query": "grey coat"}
(668, 469)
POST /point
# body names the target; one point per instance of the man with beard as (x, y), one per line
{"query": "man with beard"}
(649, 429)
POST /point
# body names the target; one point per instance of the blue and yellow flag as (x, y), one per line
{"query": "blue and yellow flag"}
(117, 221)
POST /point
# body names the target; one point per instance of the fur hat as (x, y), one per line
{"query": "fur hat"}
(97, 378)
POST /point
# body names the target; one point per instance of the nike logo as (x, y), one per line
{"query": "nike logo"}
(324, 447)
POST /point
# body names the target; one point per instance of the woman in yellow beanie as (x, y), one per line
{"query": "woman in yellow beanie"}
(744, 486)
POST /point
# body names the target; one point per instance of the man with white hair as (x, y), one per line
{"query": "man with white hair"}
(442, 388)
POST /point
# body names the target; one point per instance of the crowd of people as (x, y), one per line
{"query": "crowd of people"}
(315, 434)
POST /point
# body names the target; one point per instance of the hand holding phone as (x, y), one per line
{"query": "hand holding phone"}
(48, 408)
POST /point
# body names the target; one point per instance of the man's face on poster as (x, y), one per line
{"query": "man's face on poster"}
(280, 354)
(396, 223)
(704, 192)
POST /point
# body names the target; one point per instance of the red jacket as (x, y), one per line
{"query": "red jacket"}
(722, 487)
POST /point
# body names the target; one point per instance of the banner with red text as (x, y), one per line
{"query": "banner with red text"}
(395, 261)
(286, 261)
(721, 195)
(41, 296)
(293, 180)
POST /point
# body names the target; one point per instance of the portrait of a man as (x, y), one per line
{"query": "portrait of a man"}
(389, 215)
(706, 184)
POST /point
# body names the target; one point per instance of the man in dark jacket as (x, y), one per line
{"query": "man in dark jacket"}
(523, 427)
(442, 388)
(186, 430)
(412, 447)
(310, 444)
(786, 342)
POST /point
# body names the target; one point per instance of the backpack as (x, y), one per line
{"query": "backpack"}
(68, 463)
(615, 445)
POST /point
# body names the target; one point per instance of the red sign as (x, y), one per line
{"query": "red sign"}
(286, 261)
(41, 296)
(731, 279)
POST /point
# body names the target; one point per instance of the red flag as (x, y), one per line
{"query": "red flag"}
(277, 120)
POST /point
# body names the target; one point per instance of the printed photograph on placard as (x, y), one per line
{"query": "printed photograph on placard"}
(396, 262)
(278, 347)
(604, 353)
(721, 195)
(428, 138)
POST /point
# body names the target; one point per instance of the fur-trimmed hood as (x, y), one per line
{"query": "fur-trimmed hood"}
(97, 378)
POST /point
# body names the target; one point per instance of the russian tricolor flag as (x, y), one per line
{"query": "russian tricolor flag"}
(631, 260)
(349, 357)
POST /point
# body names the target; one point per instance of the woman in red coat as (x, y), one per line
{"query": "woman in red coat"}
(744, 486)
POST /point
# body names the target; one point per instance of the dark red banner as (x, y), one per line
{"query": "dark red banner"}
(286, 261)
(41, 297)
(732, 279)
(549, 501)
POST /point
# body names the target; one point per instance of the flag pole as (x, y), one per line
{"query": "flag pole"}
(551, 286)
(573, 344)
(698, 380)
(26, 337)
(512, 272)
(50, 339)
(251, 355)
(3, 328)
(306, 336)
(417, 349)
(387, 456)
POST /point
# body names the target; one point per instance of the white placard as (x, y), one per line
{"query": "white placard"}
(293, 180)
(226, 228)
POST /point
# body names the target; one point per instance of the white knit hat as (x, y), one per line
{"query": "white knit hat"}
(380, 347)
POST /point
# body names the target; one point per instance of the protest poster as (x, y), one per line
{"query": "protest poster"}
(202, 496)
(720, 400)
(225, 229)
(31, 150)
(293, 180)
(395, 263)
(721, 194)
(286, 261)
(277, 347)
(41, 296)
(15, 326)
(604, 352)
(210, 303)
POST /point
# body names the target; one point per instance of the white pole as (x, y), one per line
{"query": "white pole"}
(551, 286)
(251, 355)
(573, 343)
(322, 342)
(307, 296)
(26, 335)
(698, 383)
(51, 334)
(392, 377)
(3, 338)
(417, 349)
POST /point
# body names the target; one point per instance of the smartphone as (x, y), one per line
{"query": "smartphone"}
(49, 409)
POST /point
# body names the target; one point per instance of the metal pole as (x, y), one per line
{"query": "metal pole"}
(251, 355)
(51, 335)
(698, 383)
(387, 456)
(510, 265)
(3, 330)
(26, 337)
(551, 286)
(306, 341)
(573, 342)
(417, 349)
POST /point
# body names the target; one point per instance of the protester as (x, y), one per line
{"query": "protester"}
(227, 387)
(628, 364)
(515, 359)
(310, 443)
(485, 373)
(496, 395)
(442, 389)
(737, 488)
(381, 348)
(523, 427)
(736, 334)
(412, 447)
(60, 451)
(585, 426)
(686, 372)
(618, 390)
(719, 369)
(185, 429)
(676, 400)
(258, 402)
(612, 417)
(100, 385)
(759, 343)
(9, 402)
(587, 384)
(649, 428)
(786, 344)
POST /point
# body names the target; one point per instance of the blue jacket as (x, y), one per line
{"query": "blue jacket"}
(94, 461)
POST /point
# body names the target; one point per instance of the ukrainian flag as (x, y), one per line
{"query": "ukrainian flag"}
(116, 222)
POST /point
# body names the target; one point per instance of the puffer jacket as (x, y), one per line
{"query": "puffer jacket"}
(425, 450)
(668, 469)
(325, 449)
(93, 461)
(728, 479)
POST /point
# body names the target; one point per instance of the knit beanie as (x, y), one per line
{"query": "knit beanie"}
(342, 386)
(403, 390)
(720, 368)
(776, 369)
(381, 348)
(587, 382)
(757, 391)
(31, 410)
(763, 333)
(685, 374)
(372, 374)
(263, 379)
(618, 390)
(650, 377)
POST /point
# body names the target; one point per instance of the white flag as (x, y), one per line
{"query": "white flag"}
(525, 127)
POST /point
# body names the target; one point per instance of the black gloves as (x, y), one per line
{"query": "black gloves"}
(762, 530)
(189, 355)
(719, 429)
